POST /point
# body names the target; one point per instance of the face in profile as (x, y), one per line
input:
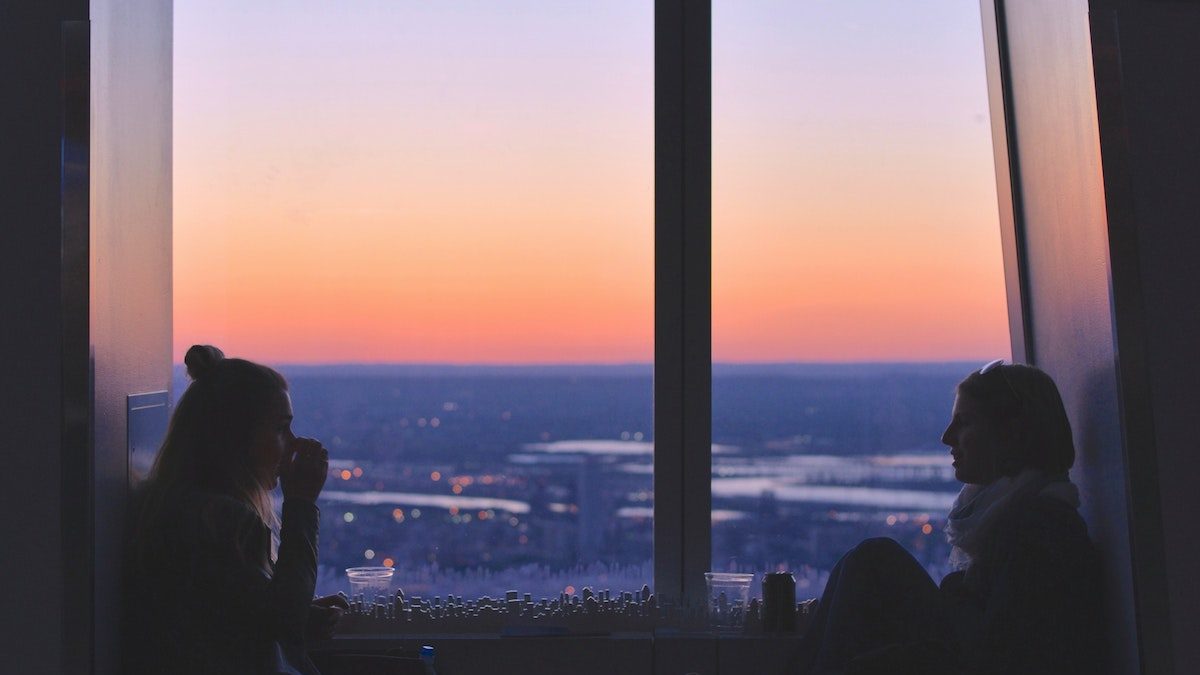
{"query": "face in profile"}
(271, 441)
(975, 443)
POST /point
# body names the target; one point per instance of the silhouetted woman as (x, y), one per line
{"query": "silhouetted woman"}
(1024, 594)
(218, 583)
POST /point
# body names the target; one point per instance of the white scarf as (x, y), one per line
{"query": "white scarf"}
(977, 507)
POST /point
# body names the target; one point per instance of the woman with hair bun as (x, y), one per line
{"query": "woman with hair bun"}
(220, 583)
(1024, 596)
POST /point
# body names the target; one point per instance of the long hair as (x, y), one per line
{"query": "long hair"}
(1025, 400)
(209, 438)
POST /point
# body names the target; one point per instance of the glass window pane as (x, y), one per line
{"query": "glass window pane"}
(857, 274)
(437, 219)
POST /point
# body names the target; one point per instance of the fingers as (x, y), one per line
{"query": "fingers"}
(309, 469)
(323, 620)
(332, 601)
(311, 447)
(310, 452)
(339, 601)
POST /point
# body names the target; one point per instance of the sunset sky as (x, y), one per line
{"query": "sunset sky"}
(472, 182)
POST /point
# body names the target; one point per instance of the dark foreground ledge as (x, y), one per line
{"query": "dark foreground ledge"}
(616, 654)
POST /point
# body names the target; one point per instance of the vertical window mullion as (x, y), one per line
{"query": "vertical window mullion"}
(683, 308)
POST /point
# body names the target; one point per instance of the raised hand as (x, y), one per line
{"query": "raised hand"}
(304, 469)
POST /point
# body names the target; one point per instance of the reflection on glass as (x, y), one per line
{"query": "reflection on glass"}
(436, 218)
(856, 274)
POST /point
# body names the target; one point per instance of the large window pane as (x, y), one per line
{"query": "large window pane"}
(436, 218)
(857, 273)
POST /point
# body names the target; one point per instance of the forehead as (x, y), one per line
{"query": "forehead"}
(965, 403)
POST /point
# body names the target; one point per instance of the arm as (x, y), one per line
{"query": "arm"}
(243, 599)
(271, 605)
(1041, 595)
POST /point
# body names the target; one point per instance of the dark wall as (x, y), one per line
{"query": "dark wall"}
(35, 565)
(85, 270)
(130, 324)
(1148, 79)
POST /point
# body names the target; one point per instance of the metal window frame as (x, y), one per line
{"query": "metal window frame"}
(1008, 183)
(682, 299)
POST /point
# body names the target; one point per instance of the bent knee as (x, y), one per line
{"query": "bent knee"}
(879, 548)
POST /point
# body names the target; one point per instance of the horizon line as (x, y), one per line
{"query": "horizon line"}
(604, 364)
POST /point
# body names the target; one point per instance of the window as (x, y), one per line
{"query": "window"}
(857, 274)
(475, 237)
(437, 220)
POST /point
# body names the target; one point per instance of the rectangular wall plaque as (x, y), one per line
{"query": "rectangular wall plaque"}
(146, 420)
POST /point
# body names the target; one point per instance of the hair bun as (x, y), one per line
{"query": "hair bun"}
(201, 359)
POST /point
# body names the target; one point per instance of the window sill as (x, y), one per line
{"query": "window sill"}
(644, 653)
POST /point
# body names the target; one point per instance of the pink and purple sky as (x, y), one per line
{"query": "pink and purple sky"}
(472, 182)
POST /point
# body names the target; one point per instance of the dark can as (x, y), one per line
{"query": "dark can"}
(779, 602)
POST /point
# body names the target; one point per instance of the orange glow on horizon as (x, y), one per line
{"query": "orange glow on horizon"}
(472, 195)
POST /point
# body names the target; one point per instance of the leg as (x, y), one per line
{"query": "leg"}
(876, 595)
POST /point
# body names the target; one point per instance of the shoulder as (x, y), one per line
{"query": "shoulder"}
(222, 515)
(1045, 529)
(214, 505)
(1039, 515)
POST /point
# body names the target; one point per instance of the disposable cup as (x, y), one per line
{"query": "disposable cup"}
(728, 600)
(369, 582)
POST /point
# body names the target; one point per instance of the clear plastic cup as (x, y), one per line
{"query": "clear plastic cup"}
(728, 600)
(366, 583)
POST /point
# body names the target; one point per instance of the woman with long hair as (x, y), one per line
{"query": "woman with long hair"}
(1024, 593)
(219, 583)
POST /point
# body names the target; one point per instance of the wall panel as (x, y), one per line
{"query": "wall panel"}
(1054, 140)
(130, 262)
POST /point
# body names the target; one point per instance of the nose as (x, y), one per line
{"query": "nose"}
(947, 439)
